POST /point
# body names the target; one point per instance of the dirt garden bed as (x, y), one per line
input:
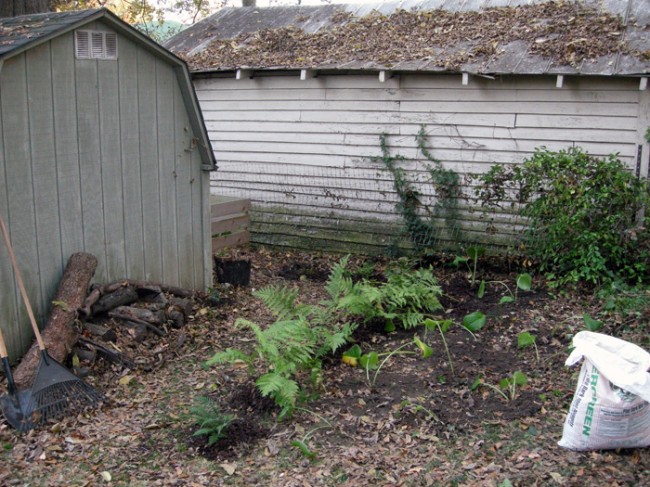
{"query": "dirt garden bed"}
(418, 424)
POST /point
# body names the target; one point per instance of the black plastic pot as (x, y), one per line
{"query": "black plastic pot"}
(235, 272)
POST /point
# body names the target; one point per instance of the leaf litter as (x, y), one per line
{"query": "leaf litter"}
(418, 425)
(567, 33)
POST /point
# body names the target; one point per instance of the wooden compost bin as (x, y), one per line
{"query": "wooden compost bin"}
(230, 221)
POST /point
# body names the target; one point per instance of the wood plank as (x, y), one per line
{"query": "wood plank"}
(248, 130)
(20, 215)
(44, 171)
(520, 94)
(131, 168)
(236, 205)
(230, 224)
(166, 84)
(89, 136)
(184, 207)
(434, 106)
(149, 168)
(111, 161)
(231, 240)
(66, 150)
(9, 324)
(559, 121)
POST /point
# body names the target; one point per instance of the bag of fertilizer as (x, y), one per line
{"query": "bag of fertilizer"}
(611, 407)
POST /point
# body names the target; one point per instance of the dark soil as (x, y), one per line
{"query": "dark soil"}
(419, 423)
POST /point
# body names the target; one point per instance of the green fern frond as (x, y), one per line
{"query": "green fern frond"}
(282, 390)
(228, 357)
(282, 301)
(411, 320)
(339, 283)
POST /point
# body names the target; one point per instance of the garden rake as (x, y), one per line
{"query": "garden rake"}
(55, 390)
(14, 405)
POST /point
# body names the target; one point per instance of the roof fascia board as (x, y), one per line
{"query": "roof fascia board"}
(198, 124)
(352, 71)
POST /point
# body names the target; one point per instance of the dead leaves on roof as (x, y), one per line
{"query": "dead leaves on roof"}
(565, 32)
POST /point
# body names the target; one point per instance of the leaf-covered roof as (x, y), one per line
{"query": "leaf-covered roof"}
(477, 36)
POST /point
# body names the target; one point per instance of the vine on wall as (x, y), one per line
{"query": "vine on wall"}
(421, 219)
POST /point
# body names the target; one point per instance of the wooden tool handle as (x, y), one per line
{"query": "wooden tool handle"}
(3, 347)
(21, 286)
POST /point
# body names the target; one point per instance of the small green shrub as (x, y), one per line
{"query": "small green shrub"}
(582, 214)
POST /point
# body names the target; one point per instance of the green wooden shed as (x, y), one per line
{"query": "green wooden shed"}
(103, 150)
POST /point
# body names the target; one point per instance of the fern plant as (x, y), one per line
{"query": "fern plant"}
(407, 296)
(296, 342)
(210, 420)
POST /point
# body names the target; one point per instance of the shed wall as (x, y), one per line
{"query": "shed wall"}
(301, 150)
(97, 156)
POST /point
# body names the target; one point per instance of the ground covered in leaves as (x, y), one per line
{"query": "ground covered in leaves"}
(420, 423)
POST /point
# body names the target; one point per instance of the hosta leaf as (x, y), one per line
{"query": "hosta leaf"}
(475, 252)
(369, 360)
(474, 321)
(520, 378)
(524, 282)
(525, 339)
(506, 300)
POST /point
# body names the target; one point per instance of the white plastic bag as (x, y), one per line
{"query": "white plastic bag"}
(611, 405)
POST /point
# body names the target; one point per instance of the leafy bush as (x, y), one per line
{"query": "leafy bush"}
(582, 213)
(406, 296)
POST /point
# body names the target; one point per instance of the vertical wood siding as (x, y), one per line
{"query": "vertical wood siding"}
(96, 156)
(301, 150)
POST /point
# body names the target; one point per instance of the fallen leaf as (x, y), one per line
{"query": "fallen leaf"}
(229, 467)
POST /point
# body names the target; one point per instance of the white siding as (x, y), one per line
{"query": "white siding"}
(301, 150)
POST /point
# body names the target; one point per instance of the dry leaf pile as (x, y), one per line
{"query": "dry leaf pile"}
(565, 32)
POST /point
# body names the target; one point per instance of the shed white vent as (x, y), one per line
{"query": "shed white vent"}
(95, 44)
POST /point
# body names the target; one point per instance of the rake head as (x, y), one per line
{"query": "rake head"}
(57, 391)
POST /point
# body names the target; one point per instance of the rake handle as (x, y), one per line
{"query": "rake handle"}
(21, 285)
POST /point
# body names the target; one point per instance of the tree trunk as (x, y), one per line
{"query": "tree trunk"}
(59, 333)
(13, 8)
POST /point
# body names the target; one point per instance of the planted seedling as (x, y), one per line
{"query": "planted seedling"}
(592, 324)
(524, 282)
(375, 361)
(442, 326)
(507, 386)
(473, 322)
(414, 408)
(302, 444)
(526, 339)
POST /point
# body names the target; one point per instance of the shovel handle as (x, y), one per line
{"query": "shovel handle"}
(4, 357)
(3, 347)
(21, 285)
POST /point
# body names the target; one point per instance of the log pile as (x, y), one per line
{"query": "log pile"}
(126, 323)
